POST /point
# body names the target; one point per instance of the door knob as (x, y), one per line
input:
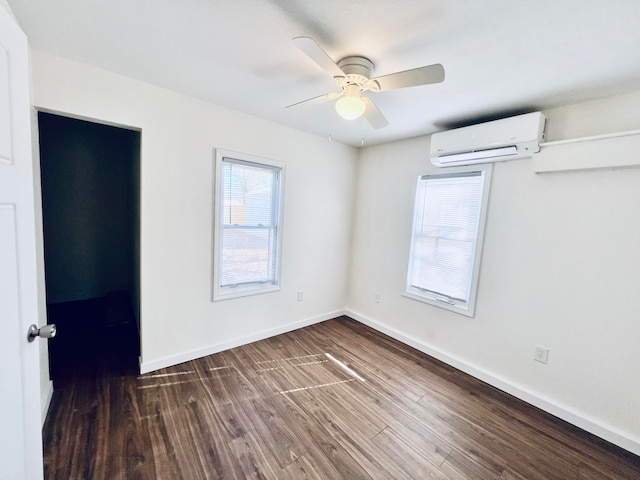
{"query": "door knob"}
(48, 331)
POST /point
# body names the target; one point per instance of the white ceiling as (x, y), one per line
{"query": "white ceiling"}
(501, 57)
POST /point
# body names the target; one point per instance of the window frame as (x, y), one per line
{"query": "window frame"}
(459, 306)
(255, 288)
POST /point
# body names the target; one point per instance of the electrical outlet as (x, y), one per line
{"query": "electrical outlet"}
(300, 295)
(541, 355)
(376, 297)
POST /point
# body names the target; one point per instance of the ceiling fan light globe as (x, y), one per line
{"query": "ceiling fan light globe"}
(350, 107)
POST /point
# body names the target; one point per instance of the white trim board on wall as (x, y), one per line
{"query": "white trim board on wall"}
(603, 431)
(146, 367)
(589, 153)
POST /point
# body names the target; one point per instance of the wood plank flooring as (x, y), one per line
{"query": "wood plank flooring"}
(282, 409)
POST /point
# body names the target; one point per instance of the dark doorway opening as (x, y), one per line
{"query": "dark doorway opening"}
(90, 175)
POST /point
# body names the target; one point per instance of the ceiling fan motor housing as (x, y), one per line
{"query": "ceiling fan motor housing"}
(356, 66)
(358, 72)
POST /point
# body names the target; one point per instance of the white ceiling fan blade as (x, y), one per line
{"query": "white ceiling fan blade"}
(318, 55)
(373, 115)
(412, 78)
(315, 100)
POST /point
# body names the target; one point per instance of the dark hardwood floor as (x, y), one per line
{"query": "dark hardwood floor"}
(282, 408)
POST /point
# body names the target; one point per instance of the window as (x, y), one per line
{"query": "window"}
(446, 240)
(248, 225)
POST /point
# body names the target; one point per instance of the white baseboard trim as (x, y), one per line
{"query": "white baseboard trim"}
(595, 427)
(146, 367)
(45, 401)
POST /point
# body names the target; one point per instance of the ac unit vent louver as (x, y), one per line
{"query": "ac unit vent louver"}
(497, 141)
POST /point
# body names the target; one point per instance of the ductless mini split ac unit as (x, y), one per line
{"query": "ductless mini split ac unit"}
(497, 141)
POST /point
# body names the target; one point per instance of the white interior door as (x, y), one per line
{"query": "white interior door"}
(20, 434)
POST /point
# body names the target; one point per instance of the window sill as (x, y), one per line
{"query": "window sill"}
(229, 293)
(469, 312)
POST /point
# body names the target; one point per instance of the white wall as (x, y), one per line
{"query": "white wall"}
(178, 319)
(560, 269)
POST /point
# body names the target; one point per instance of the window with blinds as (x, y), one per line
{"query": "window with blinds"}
(248, 225)
(446, 240)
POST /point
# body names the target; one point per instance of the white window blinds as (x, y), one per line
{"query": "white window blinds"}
(447, 223)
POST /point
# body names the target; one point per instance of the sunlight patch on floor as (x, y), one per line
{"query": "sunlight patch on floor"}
(344, 367)
(315, 386)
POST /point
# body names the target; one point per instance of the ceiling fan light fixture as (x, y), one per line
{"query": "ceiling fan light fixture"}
(350, 107)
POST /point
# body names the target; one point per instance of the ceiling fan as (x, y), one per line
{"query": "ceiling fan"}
(353, 76)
